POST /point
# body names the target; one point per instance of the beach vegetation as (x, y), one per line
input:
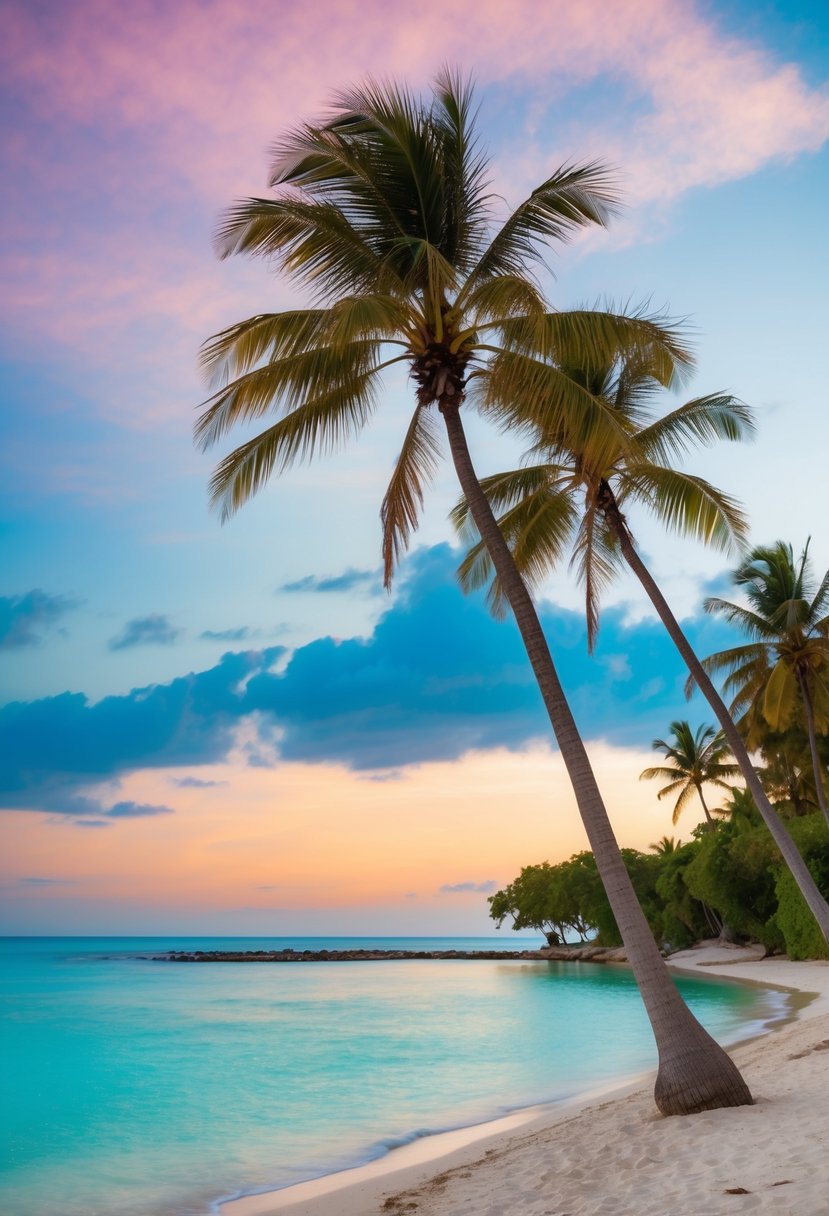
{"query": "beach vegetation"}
(728, 882)
(383, 211)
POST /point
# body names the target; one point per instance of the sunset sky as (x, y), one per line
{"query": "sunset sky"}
(235, 729)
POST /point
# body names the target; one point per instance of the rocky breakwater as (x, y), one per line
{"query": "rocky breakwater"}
(593, 954)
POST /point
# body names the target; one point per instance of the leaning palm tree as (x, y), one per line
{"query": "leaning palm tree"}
(383, 211)
(695, 758)
(572, 495)
(786, 666)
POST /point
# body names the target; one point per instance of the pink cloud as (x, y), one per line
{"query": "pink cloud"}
(140, 121)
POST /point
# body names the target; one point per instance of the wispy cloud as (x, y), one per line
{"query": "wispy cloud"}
(46, 882)
(24, 618)
(226, 635)
(136, 810)
(152, 630)
(464, 888)
(347, 581)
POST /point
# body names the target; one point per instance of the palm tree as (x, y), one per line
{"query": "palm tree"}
(665, 846)
(383, 210)
(695, 759)
(574, 498)
(787, 663)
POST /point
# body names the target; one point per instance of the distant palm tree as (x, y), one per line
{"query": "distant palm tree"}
(587, 470)
(384, 213)
(694, 759)
(786, 667)
(665, 846)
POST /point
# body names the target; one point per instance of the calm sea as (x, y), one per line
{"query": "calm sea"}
(145, 1088)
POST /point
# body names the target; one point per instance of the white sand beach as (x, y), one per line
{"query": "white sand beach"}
(612, 1154)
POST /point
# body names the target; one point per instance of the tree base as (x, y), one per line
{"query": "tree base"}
(702, 1078)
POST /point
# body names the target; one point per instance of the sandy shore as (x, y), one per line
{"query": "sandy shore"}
(612, 1154)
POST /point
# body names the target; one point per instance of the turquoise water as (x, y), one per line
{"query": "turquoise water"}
(155, 1089)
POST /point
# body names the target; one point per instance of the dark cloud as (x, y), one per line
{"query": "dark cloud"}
(225, 635)
(153, 630)
(24, 617)
(461, 888)
(347, 581)
(438, 677)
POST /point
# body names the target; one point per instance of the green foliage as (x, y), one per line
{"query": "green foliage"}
(557, 900)
(682, 920)
(800, 932)
(730, 875)
(568, 899)
(735, 871)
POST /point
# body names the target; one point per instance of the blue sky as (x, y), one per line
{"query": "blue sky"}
(129, 616)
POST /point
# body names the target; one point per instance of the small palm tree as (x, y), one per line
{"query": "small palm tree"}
(383, 210)
(665, 846)
(586, 472)
(786, 666)
(695, 759)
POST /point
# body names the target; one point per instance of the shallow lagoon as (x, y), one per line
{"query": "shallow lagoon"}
(156, 1089)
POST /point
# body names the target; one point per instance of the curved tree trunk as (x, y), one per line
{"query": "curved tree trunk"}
(800, 871)
(817, 768)
(705, 807)
(694, 1072)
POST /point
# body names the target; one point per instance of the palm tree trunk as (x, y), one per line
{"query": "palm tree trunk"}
(704, 807)
(817, 767)
(800, 871)
(694, 1072)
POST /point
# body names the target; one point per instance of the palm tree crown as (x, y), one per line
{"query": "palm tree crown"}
(785, 668)
(695, 759)
(577, 479)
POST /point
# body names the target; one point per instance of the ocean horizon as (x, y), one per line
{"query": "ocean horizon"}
(151, 1088)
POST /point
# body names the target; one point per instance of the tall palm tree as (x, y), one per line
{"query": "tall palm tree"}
(574, 498)
(383, 210)
(695, 759)
(786, 666)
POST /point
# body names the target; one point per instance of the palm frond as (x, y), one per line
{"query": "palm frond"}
(465, 181)
(571, 198)
(681, 802)
(320, 425)
(687, 504)
(285, 384)
(497, 298)
(735, 614)
(598, 338)
(662, 773)
(536, 519)
(529, 396)
(273, 336)
(312, 243)
(237, 349)
(596, 560)
(403, 501)
(700, 421)
(504, 491)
